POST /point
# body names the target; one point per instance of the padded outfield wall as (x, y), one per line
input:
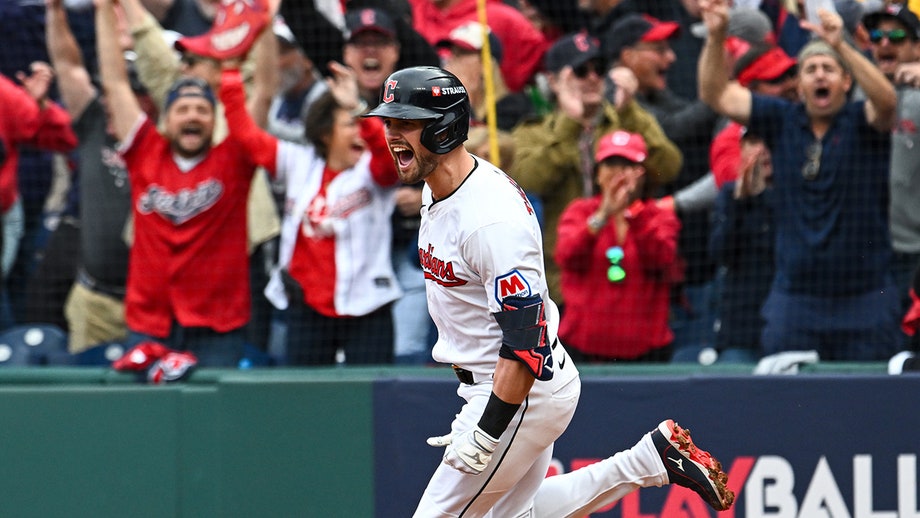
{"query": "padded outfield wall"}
(351, 442)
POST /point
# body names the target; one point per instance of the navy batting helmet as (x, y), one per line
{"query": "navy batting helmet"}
(431, 94)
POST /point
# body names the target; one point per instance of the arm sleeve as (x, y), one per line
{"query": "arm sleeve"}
(157, 64)
(544, 153)
(261, 147)
(698, 196)
(55, 132)
(20, 113)
(383, 169)
(575, 241)
(725, 154)
(655, 231)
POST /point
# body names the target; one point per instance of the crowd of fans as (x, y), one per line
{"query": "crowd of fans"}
(720, 176)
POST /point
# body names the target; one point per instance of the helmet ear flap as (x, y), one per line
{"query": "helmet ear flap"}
(448, 132)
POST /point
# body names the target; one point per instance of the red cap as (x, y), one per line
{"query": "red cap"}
(768, 65)
(630, 146)
(660, 30)
(236, 27)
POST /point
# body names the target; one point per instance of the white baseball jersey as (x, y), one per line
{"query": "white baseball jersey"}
(481, 244)
(361, 226)
(477, 246)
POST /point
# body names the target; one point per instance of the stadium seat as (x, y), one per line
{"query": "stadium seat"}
(102, 354)
(33, 344)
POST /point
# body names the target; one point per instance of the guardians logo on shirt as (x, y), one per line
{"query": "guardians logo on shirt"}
(181, 206)
(437, 270)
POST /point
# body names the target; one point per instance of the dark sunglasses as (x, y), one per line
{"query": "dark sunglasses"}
(582, 70)
(894, 35)
(615, 273)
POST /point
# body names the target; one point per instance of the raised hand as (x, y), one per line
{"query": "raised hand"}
(830, 30)
(715, 15)
(626, 83)
(38, 81)
(344, 86)
(751, 181)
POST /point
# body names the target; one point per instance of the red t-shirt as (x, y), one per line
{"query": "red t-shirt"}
(189, 260)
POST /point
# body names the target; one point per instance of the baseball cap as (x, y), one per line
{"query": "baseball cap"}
(236, 27)
(633, 28)
(283, 32)
(359, 21)
(469, 37)
(574, 50)
(897, 12)
(762, 63)
(630, 146)
(750, 24)
(189, 87)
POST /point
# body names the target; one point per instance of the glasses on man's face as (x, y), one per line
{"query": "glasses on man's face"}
(812, 161)
(894, 36)
(615, 273)
(582, 70)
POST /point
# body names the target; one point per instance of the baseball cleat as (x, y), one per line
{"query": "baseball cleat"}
(690, 466)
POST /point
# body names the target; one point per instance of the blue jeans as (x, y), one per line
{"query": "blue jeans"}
(411, 322)
(693, 321)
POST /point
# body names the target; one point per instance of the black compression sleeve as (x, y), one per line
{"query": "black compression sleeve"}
(496, 416)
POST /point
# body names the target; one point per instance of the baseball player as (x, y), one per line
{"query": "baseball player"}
(481, 250)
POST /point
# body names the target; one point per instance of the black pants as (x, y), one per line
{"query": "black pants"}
(50, 283)
(313, 338)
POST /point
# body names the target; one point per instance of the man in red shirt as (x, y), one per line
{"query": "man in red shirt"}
(188, 273)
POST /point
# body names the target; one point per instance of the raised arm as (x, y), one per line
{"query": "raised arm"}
(74, 83)
(113, 71)
(157, 64)
(265, 77)
(881, 99)
(726, 97)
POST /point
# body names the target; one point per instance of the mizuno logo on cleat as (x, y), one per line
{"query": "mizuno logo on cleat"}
(679, 462)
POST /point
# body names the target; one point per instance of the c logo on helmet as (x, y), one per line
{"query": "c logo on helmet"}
(389, 91)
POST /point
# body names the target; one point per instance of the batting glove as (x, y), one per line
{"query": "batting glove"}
(470, 452)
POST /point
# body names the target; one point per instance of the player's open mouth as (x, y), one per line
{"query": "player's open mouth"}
(404, 156)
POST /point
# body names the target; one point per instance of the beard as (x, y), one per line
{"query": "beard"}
(425, 163)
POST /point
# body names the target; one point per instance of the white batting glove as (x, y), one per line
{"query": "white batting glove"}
(470, 452)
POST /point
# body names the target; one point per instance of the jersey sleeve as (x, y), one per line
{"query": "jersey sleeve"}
(383, 169)
(19, 113)
(54, 132)
(506, 256)
(260, 146)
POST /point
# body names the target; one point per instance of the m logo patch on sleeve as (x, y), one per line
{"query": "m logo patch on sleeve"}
(511, 284)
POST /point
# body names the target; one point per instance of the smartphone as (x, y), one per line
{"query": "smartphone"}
(812, 6)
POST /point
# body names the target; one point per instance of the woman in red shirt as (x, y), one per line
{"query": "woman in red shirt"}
(618, 254)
